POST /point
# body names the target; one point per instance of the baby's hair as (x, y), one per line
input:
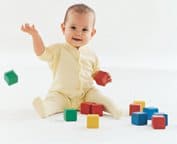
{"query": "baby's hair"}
(80, 8)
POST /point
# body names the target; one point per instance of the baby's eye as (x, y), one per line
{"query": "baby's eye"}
(73, 27)
(84, 29)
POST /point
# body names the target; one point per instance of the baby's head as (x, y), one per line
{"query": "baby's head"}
(78, 25)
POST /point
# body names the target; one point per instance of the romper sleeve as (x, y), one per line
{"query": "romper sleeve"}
(51, 55)
(96, 66)
(48, 54)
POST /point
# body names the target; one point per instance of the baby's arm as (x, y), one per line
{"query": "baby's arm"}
(37, 41)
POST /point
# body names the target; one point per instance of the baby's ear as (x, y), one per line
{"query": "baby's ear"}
(63, 27)
(93, 32)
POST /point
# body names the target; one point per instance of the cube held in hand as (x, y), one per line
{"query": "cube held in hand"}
(102, 78)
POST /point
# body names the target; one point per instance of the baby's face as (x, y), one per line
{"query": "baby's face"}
(78, 28)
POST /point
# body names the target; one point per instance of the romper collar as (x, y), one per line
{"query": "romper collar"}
(74, 48)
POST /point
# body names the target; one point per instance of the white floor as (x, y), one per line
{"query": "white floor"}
(19, 124)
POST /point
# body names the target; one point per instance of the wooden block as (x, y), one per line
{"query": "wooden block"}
(101, 78)
(139, 118)
(150, 111)
(158, 122)
(134, 108)
(92, 121)
(165, 115)
(10, 77)
(97, 109)
(85, 107)
(91, 108)
(70, 115)
(142, 103)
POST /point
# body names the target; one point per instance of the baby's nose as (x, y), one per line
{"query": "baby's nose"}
(79, 32)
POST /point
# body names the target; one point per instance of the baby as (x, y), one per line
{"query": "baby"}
(73, 65)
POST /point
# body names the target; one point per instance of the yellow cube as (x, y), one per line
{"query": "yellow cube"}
(142, 104)
(92, 121)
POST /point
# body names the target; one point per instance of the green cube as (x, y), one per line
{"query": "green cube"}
(70, 115)
(10, 77)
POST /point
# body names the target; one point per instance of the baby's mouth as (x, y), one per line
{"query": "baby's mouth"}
(77, 39)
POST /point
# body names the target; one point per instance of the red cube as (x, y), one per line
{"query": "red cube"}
(158, 122)
(97, 109)
(102, 78)
(85, 107)
(134, 108)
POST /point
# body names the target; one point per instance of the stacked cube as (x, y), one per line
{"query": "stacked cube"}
(141, 114)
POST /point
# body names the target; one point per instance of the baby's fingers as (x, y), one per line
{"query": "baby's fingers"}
(109, 80)
(30, 29)
(22, 28)
(25, 28)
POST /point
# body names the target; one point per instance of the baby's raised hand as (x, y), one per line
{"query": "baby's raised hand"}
(30, 29)
(102, 78)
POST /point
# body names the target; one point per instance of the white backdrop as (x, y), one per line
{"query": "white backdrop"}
(136, 41)
(130, 33)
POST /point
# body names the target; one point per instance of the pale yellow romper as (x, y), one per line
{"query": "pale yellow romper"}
(72, 79)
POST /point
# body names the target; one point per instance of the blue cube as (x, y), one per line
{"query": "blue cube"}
(139, 118)
(150, 111)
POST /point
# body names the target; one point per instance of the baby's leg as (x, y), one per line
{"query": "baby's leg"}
(52, 104)
(95, 95)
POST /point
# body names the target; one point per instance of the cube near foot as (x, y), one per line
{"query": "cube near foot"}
(85, 107)
(91, 108)
(10, 77)
(97, 109)
(92, 121)
(70, 115)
